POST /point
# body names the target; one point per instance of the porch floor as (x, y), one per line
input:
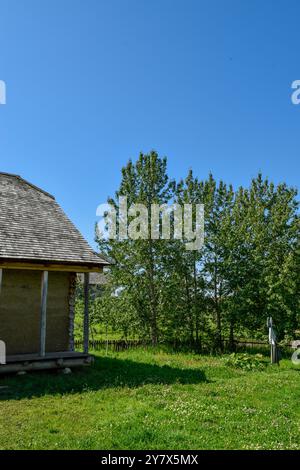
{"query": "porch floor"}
(55, 360)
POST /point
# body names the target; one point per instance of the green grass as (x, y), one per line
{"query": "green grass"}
(147, 399)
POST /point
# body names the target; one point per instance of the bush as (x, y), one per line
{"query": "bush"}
(246, 361)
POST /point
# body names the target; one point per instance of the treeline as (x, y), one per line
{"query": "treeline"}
(247, 270)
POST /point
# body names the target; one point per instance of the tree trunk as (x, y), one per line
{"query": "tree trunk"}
(153, 300)
(219, 344)
(189, 309)
(198, 339)
(231, 337)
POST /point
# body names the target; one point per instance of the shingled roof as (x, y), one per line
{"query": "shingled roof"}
(33, 227)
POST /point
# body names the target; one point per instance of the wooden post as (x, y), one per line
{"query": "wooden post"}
(72, 293)
(43, 321)
(1, 277)
(86, 323)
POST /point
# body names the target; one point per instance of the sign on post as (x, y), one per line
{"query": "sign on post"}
(2, 353)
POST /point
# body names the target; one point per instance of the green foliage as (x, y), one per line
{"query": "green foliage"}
(246, 361)
(247, 270)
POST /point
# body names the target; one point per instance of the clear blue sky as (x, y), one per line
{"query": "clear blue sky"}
(91, 83)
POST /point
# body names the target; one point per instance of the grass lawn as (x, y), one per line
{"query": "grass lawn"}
(151, 399)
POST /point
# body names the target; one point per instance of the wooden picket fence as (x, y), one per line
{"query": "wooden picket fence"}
(122, 345)
(113, 345)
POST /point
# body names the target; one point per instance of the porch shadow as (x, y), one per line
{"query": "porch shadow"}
(105, 373)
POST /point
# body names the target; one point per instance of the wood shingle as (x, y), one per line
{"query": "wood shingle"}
(34, 227)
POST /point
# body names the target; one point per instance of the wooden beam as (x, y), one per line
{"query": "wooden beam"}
(51, 267)
(43, 320)
(86, 323)
(46, 364)
(1, 277)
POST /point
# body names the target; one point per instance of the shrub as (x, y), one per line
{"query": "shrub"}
(246, 361)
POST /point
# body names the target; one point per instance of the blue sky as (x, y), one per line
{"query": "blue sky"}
(91, 83)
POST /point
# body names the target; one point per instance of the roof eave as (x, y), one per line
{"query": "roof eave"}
(51, 265)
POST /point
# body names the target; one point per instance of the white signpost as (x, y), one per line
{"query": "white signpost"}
(2, 353)
(272, 342)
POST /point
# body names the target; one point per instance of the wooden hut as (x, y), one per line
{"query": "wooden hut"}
(41, 252)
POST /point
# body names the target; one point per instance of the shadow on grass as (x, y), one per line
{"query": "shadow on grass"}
(105, 373)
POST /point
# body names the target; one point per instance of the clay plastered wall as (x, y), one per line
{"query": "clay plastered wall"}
(20, 311)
